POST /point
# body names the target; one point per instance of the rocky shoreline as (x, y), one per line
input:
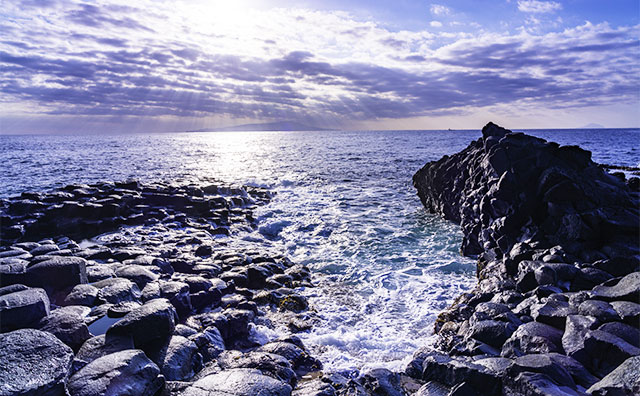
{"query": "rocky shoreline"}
(557, 306)
(150, 289)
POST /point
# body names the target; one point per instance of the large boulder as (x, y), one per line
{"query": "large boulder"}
(238, 382)
(150, 326)
(33, 363)
(58, 273)
(181, 359)
(67, 323)
(624, 380)
(22, 308)
(127, 372)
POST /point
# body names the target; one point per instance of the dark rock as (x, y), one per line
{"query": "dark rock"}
(629, 312)
(492, 332)
(624, 380)
(138, 274)
(628, 289)
(543, 364)
(82, 295)
(601, 310)
(68, 325)
(23, 308)
(127, 372)
(181, 359)
(535, 384)
(178, 294)
(116, 290)
(275, 366)
(533, 337)
(238, 382)
(58, 273)
(314, 387)
(382, 382)
(98, 346)
(606, 351)
(301, 361)
(573, 337)
(33, 363)
(433, 388)
(150, 326)
(96, 273)
(628, 333)
(13, 272)
(552, 312)
(209, 342)
(451, 372)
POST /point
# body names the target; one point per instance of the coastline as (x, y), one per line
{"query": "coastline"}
(249, 282)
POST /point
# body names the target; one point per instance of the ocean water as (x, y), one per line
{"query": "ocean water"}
(344, 205)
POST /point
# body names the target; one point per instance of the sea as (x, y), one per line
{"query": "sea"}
(343, 204)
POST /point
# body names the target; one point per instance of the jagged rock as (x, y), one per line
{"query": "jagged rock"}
(33, 363)
(533, 337)
(606, 351)
(624, 380)
(628, 333)
(492, 332)
(209, 342)
(451, 372)
(628, 289)
(314, 387)
(382, 382)
(542, 364)
(238, 382)
(601, 310)
(22, 308)
(433, 388)
(67, 323)
(552, 312)
(127, 372)
(178, 294)
(573, 337)
(629, 312)
(96, 273)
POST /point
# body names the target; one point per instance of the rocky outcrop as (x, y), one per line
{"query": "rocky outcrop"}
(557, 242)
(154, 301)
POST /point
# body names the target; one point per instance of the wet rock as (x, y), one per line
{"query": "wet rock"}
(137, 274)
(122, 308)
(314, 387)
(627, 289)
(127, 372)
(23, 308)
(181, 359)
(67, 323)
(535, 384)
(275, 366)
(82, 295)
(451, 372)
(58, 273)
(178, 294)
(238, 382)
(98, 346)
(533, 337)
(543, 364)
(624, 380)
(209, 342)
(301, 361)
(96, 273)
(433, 388)
(382, 382)
(116, 290)
(33, 363)
(150, 326)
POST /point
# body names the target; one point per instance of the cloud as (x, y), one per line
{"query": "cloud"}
(439, 10)
(341, 68)
(538, 7)
(435, 24)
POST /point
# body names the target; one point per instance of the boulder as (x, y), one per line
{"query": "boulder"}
(573, 337)
(67, 323)
(137, 274)
(33, 363)
(601, 310)
(627, 289)
(270, 364)
(533, 337)
(629, 312)
(627, 332)
(492, 332)
(127, 372)
(58, 273)
(23, 308)
(301, 361)
(624, 380)
(552, 312)
(238, 382)
(178, 294)
(181, 359)
(150, 325)
(98, 346)
(116, 290)
(82, 295)
(452, 372)
(606, 351)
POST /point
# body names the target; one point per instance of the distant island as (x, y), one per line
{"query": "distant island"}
(268, 126)
(593, 126)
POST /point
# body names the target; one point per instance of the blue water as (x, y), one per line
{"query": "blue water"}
(344, 206)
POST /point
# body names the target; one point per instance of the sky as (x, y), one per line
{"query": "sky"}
(155, 66)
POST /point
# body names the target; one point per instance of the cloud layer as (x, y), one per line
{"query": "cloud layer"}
(65, 59)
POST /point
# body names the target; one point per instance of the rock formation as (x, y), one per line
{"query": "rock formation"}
(557, 241)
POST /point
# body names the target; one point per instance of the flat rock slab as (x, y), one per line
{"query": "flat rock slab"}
(627, 289)
(238, 382)
(23, 308)
(58, 273)
(33, 363)
(128, 372)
